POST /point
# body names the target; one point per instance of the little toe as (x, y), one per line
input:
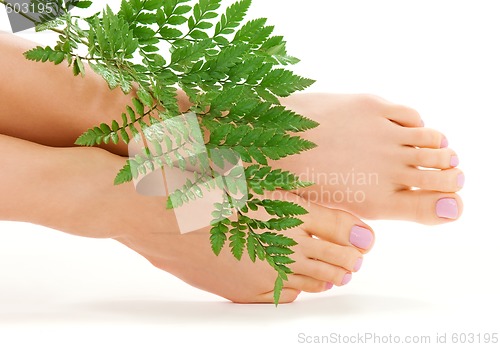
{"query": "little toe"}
(444, 158)
(306, 284)
(449, 181)
(426, 207)
(423, 138)
(346, 257)
(323, 272)
(404, 116)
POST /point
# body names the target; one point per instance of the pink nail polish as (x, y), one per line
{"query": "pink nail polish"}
(444, 142)
(461, 180)
(347, 278)
(329, 285)
(447, 208)
(358, 264)
(454, 161)
(361, 237)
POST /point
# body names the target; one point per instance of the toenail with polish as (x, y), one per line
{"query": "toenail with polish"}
(358, 264)
(461, 180)
(447, 208)
(361, 237)
(347, 278)
(444, 142)
(454, 161)
(329, 285)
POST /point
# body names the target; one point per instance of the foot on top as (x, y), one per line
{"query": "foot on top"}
(376, 159)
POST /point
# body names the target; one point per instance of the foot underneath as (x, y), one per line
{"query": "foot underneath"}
(328, 259)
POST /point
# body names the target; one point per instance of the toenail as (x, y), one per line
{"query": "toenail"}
(422, 122)
(361, 237)
(447, 208)
(358, 264)
(329, 285)
(444, 142)
(461, 180)
(454, 161)
(347, 278)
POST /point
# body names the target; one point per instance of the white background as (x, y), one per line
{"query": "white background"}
(440, 57)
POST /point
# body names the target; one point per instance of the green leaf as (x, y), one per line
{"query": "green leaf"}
(82, 4)
(232, 18)
(177, 20)
(237, 243)
(125, 175)
(139, 106)
(170, 33)
(283, 83)
(217, 239)
(145, 97)
(41, 54)
(255, 32)
(278, 287)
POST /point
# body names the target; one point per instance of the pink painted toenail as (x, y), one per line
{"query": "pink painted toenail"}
(361, 237)
(329, 285)
(444, 142)
(347, 278)
(447, 208)
(358, 264)
(461, 180)
(454, 161)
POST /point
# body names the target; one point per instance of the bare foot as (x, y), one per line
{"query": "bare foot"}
(371, 157)
(89, 201)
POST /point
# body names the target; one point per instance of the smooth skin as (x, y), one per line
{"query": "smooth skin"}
(371, 156)
(358, 135)
(82, 200)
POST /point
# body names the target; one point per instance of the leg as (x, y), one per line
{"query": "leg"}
(71, 190)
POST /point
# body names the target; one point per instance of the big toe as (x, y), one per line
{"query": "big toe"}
(338, 227)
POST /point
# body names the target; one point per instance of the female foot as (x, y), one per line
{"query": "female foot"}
(376, 160)
(78, 196)
(331, 244)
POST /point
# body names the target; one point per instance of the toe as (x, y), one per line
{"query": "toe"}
(323, 272)
(342, 256)
(338, 227)
(448, 181)
(423, 138)
(426, 207)
(306, 284)
(444, 158)
(404, 116)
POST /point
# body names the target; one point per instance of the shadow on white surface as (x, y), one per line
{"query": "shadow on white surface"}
(180, 312)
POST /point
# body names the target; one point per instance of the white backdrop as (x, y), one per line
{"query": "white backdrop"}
(440, 57)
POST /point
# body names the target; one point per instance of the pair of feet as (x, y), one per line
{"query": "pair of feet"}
(375, 159)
